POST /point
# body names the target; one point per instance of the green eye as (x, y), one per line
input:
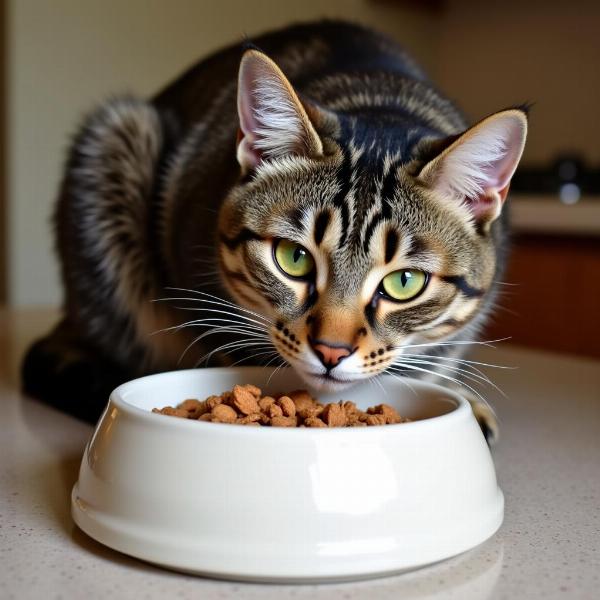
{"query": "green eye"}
(293, 259)
(405, 284)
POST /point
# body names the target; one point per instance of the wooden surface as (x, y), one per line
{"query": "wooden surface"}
(552, 300)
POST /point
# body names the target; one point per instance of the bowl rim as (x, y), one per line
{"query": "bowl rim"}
(461, 411)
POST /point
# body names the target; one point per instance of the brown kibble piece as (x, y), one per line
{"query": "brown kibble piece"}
(352, 412)
(265, 402)
(194, 408)
(171, 411)
(302, 399)
(190, 404)
(375, 420)
(314, 422)
(275, 411)
(249, 419)
(213, 401)
(224, 414)
(227, 398)
(287, 406)
(352, 419)
(244, 400)
(284, 422)
(264, 419)
(207, 416)
(334, 415)
(255, 391)
(310, 411)
(350, 408)
(390, 414)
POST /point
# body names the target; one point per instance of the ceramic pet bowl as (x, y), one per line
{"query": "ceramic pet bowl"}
(278, 504)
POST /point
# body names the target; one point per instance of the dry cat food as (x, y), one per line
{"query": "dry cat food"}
(245, 405)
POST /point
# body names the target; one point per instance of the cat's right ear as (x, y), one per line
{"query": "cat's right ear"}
(273, 121)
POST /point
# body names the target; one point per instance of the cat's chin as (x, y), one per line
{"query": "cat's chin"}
(326, 383)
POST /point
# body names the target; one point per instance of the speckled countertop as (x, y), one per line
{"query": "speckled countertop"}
(548, 465)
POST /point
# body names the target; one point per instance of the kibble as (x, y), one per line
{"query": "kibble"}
(245, 405)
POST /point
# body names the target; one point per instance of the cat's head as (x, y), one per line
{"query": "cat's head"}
(356, 253)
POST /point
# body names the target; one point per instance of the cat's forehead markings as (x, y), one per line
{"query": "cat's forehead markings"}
(391, 245)
(380, 267)
(331, 235)
(321, 222)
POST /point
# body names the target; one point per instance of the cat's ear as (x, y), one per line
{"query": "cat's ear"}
(477, 167)
(273, 121)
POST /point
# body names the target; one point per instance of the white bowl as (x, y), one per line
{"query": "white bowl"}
(278, 504)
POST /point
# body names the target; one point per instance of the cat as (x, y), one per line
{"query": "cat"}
(308, 198)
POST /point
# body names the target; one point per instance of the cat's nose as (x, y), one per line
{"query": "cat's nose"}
(330, 354)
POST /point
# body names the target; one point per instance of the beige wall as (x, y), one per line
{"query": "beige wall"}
(65, 55)
(497, 54)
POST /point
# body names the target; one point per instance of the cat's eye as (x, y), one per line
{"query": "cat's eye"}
(404, 285)
(293, 259)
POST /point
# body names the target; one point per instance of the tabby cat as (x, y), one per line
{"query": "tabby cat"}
(311, 199)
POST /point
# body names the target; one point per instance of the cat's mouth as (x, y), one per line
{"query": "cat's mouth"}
(327, 381)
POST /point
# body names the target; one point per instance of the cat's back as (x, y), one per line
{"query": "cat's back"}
(307, 53)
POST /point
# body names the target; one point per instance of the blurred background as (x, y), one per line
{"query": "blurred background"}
(60, 57)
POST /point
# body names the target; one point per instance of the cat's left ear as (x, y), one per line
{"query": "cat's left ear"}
(273, 121)
(477, 167)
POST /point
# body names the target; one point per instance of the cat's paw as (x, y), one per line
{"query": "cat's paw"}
(61, 371)
(486, 418)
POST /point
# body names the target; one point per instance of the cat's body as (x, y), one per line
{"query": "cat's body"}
(154, 198)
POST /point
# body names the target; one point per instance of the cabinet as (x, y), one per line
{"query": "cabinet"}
(553, 300)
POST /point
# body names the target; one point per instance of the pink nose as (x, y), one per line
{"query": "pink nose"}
(331, 355)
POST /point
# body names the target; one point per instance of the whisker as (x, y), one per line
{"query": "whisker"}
(464, 363)
(283, 364)
(255, 355)
(375, 380)
(213, 331)
(466, 374)
(276, 355)
(202, 322)
(227, 349)
(467, 364)
(461, 360)
(401, 379)
(221, 300)
(487, 343)
(443, 376)
(213, 310)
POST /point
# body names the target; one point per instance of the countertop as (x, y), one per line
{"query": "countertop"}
(546, 214)
(547, 461)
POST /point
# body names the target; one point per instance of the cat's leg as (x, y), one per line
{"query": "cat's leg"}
(485, 417)
(64, 371)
